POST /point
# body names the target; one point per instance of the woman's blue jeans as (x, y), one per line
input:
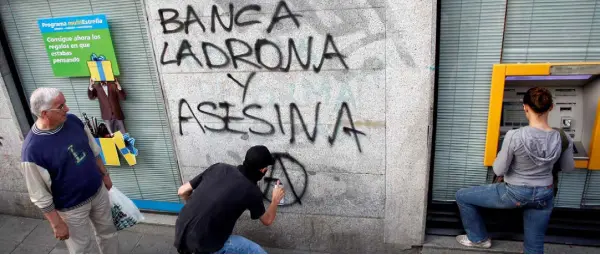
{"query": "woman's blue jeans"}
(536, 202)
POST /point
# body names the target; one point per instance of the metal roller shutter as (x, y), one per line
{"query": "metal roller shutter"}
(591, 194)
(156, 176)
(556, 31)
(470, 43)
(552, 31)
(570, 189)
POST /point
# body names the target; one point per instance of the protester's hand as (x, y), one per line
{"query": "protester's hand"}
(107, 182)
(61, 231)
(185, 191)
(278, 193)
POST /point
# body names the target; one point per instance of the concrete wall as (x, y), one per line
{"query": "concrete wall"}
(13, 192)
(360, 170)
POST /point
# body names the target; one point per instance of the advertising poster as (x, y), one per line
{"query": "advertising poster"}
(80, 46)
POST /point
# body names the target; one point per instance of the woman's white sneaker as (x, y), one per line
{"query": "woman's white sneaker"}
(464, 240)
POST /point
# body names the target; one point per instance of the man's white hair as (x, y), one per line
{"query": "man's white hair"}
(41, 99)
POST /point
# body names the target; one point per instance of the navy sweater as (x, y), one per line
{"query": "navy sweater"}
(60, 166)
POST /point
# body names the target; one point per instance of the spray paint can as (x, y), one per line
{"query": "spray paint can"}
(281, 186)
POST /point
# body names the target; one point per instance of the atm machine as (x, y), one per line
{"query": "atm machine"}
(575, 88)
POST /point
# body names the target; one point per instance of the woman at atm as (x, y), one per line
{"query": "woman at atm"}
(525, 161)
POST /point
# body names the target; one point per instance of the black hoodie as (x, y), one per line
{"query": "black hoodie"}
(221, 194)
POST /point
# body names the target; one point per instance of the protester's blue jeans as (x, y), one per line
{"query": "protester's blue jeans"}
(536, 202)
(240, 245)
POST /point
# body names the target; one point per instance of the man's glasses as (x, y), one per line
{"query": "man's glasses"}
(60, 108)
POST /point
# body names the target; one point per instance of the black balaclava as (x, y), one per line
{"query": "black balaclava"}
(257, 158)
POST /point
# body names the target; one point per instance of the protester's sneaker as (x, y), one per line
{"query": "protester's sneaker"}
(464, 240)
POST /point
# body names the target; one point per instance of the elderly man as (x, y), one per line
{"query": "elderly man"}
(65, 177)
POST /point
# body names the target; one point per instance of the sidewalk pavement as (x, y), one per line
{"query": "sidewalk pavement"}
(26, 235)
(20, 235)
(448, 245)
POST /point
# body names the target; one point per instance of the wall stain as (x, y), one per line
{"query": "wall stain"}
(369, 123)
(209, 159)
(245, 136)
(235, 156)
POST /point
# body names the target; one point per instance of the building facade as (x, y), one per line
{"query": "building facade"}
(340, 91)
(376, 110)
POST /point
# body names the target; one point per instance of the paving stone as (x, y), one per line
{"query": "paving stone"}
(60, 250)
(42, 235)
(153, 244)
(32, 249)
(3, 219)
(173, 250)
(17, 228)
(128, 241)
(7, 246)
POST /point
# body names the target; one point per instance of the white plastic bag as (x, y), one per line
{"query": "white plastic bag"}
(124, 212)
